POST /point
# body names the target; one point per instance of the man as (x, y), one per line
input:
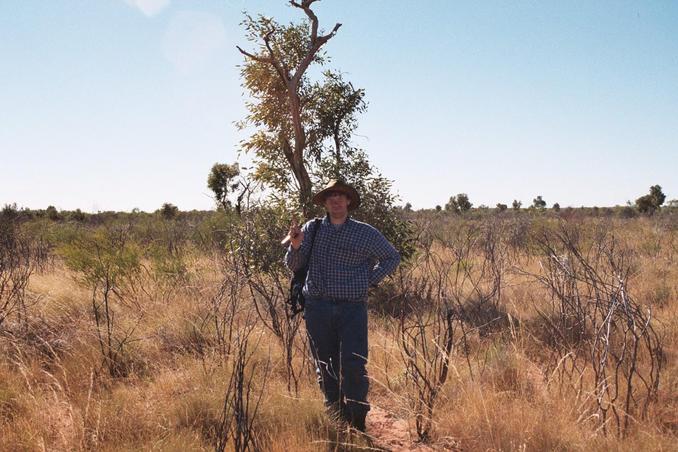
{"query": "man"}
(347, 257)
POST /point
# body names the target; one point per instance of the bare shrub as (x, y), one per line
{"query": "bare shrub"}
(15, 272)
(427, 337)
(256, 243)
(477, 259)
(602, 340)
(227, 302)
(453, 288)
(241, 399)
(427, 333)
(19, 256)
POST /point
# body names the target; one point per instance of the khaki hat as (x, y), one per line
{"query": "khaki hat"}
(341, 186)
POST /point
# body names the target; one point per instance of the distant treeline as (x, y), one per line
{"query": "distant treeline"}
(171, 212)
(167, 212)
(627, 211)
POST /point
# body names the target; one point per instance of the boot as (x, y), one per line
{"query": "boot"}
(357, 418)
(358, 422)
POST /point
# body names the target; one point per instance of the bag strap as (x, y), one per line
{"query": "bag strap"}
(296, 305)
(315, 232)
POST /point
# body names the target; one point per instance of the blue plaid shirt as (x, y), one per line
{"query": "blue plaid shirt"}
(346, 260)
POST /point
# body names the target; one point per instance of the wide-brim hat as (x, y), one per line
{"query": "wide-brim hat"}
(341, 186)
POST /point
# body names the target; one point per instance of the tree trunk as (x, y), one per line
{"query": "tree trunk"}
(300, 173)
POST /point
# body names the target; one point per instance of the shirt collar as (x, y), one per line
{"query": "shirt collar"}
(326, 219)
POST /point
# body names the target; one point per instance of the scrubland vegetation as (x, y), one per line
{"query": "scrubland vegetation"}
(504, 330)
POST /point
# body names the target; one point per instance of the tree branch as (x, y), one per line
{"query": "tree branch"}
(278, 64)
(316, 44)
(306, 6)
(255, 57)
(315, 40)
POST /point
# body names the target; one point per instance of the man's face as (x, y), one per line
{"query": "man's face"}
(336, 203)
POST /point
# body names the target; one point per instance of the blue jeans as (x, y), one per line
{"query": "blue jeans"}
(337, 332)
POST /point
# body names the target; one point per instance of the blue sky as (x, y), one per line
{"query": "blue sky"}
(117, 104)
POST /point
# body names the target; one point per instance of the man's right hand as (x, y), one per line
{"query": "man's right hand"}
(296, 235)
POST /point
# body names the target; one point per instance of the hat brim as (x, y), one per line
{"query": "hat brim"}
(350, 192)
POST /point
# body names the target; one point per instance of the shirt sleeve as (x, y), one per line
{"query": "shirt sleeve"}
(386, 256)
(296, 259)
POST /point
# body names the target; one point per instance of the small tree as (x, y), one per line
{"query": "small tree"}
(52, 213)
(221, 182)
(169, 211)
(303, 121)
(539, 203)
(501, 207)
(285, 100)
(458, 204)
(556, 207)
(452, 205)
(464, 203)
(516, 204)
(652, 201)
(108, 263)
(644, 204)
(657, 195)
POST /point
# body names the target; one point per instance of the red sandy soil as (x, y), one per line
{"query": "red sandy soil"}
(387, 431)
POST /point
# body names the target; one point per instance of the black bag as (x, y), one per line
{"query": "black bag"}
(296, 300)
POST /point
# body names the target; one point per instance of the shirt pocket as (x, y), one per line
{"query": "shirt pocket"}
(351, 256)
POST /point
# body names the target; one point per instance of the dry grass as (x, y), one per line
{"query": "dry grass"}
(54, 394)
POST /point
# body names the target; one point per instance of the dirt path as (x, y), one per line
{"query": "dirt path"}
(389, 432)
(386, 431)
